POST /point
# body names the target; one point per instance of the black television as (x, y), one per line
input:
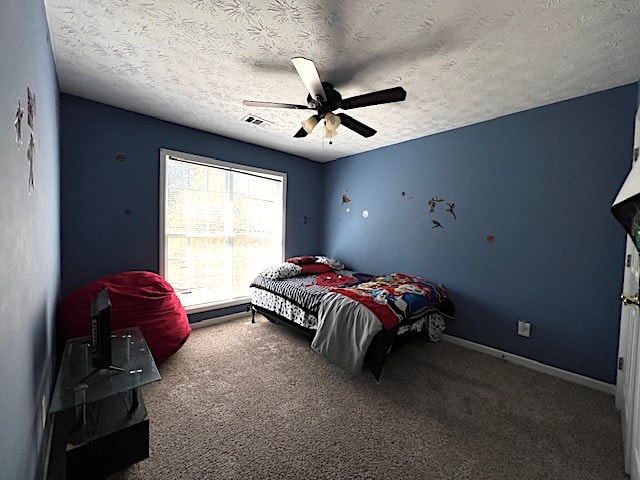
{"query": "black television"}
(101, 330)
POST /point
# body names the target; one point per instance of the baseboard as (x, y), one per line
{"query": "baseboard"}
(534, 365)
(45, 456)
(634, 474)
(217, 320)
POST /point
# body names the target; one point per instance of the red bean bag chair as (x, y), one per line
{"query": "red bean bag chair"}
(138, 299)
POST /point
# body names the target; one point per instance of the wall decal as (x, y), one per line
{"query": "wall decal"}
(17, 123)
(31, 108)
(451, 206)
(433, 202)
(345, 199)
(451, 209)
(31, 152)
(408, 197)
(31, 149)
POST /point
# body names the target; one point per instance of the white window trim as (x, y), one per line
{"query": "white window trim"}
(205, 307)
(208, 161)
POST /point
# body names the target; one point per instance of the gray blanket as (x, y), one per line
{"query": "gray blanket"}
(345, 330)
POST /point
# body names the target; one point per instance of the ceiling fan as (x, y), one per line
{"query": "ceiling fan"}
(325, 99)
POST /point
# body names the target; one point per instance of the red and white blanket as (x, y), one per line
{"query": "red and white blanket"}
(396, 297)
(349, 317)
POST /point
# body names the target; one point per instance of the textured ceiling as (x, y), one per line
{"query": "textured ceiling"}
(192, 62)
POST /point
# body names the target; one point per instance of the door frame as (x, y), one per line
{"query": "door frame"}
(628, 373)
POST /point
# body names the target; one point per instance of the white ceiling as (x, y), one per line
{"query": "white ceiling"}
(461, 62)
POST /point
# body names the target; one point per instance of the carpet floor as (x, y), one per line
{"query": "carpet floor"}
(253, 401)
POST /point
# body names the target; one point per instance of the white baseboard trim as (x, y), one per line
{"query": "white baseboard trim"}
(534, 365)
(48, 444)
(218, 320)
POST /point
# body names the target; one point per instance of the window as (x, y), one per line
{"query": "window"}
(220, 225)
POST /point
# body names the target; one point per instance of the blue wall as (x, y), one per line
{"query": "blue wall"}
(541, 182)
(29, 237)
(98, 238)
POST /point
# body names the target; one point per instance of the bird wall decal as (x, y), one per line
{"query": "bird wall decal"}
(433, 202)
(451, 209)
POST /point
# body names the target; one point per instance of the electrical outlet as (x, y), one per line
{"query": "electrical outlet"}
(524, 328)
(43, 411)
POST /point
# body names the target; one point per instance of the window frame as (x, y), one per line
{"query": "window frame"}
(209, 161)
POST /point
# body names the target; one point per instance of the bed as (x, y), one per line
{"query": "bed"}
(354, 319)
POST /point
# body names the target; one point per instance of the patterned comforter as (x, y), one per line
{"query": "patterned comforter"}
(306, 291)
(397, 297)
(348, 309)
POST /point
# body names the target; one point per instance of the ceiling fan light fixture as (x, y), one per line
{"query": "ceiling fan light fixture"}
(324, 98)
(332, 122)
(310, 123)
(329, 133)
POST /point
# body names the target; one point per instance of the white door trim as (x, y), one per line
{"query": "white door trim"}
(628, 379)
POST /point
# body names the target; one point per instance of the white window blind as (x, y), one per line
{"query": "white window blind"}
(222, 224)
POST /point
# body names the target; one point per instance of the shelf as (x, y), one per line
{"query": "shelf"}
(79, 383)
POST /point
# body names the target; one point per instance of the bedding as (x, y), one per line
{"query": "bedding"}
(354, 317)
(302, 294)
(345, 331)
(302, 260)
(311, 268)
(282, 271)
(395, 297)
(350, 316)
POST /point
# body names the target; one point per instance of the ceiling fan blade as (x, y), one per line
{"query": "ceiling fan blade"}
(309, 75)
(301, 133)
(395, 94)
(358, 127)
(251, 103)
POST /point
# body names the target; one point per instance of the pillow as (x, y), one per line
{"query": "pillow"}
(332, 262)
(302, 260)
(282, 271)
(313, 268)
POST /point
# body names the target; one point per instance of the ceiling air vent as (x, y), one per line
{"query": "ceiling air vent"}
(256, 120)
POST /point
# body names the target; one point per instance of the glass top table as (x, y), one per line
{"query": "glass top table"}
(79, 382)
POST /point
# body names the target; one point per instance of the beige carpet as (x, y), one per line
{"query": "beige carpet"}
(243, 401)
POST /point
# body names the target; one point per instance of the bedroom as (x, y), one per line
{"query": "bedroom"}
(539, 182)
